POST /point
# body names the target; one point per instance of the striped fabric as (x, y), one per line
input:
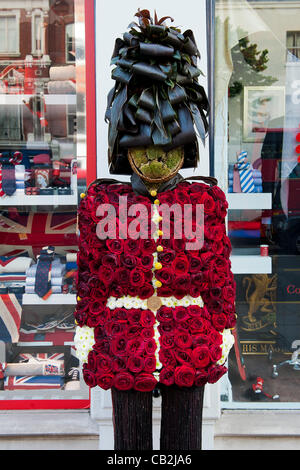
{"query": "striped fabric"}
(10, 318)
(246, 173)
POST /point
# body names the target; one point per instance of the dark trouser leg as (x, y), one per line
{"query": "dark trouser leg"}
(181, 420)
(132, 417)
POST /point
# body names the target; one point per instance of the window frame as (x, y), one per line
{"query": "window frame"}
(12, 14)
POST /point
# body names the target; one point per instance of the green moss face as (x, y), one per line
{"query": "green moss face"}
(154, 162)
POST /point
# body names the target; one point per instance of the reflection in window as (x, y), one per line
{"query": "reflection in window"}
(70, 43)
(293, 43)
(257, 141)
(9, 34)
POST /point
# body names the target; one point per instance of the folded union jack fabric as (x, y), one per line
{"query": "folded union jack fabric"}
(27, 233)
(10, 317)
(33, 383)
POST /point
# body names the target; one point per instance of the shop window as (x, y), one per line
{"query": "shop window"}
(70, 43)
(257, 137)
(37, 26)
(9, 32)
(293, 44)
(43, 171)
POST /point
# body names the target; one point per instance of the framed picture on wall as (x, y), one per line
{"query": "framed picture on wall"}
(264, 108)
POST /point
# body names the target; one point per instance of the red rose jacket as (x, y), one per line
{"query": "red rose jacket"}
(150, 309)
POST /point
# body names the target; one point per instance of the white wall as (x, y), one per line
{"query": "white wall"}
(112, 20)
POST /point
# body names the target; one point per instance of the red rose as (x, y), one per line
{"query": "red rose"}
(147, 318)
(115, 246)
(183, 340)
(122, 276)
(104, 363)
(146, 291)
(180, 264)
(164, 315)
(184, 356)
(167, 357)
(136, 277)
(150, 364)
(105, 381)
(135, 346)
(116, 290)
(184, 376)
(166, 257)
(102, 345)
(200, 339)
(195, 311)
(89, 377)
(134, 316)
(150, 346)
(208, 202)
(135, 364)
(119, 364)
(198, 325)
(181, 285)
(123, 381)
(111, 260)
(146, 262)
(201, 357)
(120, 314)
(132, 247)
(167, 376)
(201, 378)
(145, 382)
(165, 276)
(167, 341)
(118, 345)
(147, 333)
(178, 244)
(128, 261)
(113, 328)
(231, 321)
(133, 331)
(166, 328)
(215, 353)
(215, 373)
(219, 321)
(195, 264)
(181, 314)
(215, 338)
(147, 245)
(106, 274)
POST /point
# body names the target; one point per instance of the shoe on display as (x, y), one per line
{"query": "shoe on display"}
(73, 375)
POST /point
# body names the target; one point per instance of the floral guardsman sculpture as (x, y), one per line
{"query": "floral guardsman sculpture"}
(155, 303)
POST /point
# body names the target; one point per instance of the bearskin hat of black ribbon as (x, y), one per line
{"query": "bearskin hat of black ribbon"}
(157, 99)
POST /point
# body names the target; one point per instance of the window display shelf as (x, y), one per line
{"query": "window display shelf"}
(249, 201)
(55, 99)
(54, 299)
(50, 200)
(251, 264)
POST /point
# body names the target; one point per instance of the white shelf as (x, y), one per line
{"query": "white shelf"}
(249, 201)
(54, 299)
(29, 200)
(53, 99)
(251, 264)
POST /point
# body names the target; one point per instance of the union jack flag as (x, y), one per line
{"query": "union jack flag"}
(27, 233)
(33, 383)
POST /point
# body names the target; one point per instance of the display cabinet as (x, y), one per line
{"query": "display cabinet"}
(46, 159)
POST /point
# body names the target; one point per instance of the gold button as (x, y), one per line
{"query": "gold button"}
(154, 303)
(158, 266)
(82, 195)
(160, 248)
(156, 202)
(78, 299)
(160, 233)
(153, 193)
(158, 284)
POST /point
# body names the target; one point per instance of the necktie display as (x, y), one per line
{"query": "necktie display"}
(246, 175)
(42, 282)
